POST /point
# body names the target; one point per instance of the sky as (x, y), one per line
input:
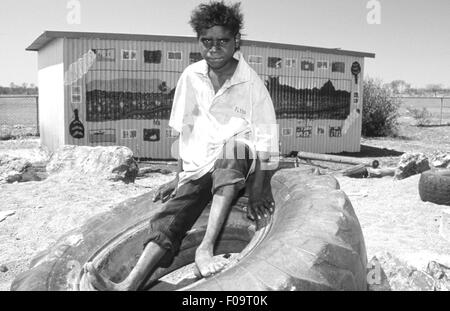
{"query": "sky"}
(411, 40)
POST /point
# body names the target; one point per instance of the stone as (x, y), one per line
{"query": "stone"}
(396, 275)
(440, 159)
(441, 275)
(3, 268)
(114, 163)
(411, 164)
(12, 168)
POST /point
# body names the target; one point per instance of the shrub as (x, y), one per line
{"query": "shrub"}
(380, 110)
(5, 133)
(422, 117)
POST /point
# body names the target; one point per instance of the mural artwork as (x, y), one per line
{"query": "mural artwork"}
(105, 55)
(152, 57)
(123, 99)
(152, 135)
(316, 103)
(102, 136)
(286, 132)
(76, 128)
(356, 70)
(304, 131)
(335, 131)
(307, 64)
(151, 99)
(355, 97)
(274, 62)
(338, 67)
(129, 134)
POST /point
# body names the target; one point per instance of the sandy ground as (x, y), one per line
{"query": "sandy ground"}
(47, 209)
(392, 216)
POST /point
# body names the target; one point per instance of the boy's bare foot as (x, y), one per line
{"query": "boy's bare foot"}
(101, 283)
(207, 264)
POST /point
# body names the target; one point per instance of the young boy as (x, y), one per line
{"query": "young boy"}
(227, 127)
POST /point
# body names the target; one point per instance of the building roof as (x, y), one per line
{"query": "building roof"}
(48, 36)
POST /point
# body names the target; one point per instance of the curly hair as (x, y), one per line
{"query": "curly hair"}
(217, 13)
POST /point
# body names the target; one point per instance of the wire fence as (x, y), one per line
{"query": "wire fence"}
(430, 110)
(19, 115)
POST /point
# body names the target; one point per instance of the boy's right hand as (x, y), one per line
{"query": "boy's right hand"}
(166, 191)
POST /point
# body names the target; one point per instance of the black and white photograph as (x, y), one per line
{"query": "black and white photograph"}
(225, 146)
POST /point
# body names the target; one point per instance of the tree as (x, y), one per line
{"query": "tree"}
(399, 86)
(434, 88)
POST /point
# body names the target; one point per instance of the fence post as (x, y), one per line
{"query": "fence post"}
(37, 116)
(442, 106)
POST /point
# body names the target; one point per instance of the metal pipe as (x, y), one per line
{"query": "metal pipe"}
(335, 158)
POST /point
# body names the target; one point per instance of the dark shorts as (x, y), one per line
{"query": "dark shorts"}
(178, 215)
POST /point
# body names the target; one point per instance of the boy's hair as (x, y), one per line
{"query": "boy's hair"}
(217, 13)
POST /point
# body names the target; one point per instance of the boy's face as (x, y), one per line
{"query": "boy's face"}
(217, 46)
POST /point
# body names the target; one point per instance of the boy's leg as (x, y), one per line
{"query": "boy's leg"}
(147, 261)
(228, 179)
(167, 230)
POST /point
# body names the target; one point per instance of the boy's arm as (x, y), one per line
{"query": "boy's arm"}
(168, 190)
(260, 200)
(265, 131)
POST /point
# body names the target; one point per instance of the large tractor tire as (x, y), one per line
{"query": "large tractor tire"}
(313, 241)
(434, 186)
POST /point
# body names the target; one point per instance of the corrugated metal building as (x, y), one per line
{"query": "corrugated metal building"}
(117, 89)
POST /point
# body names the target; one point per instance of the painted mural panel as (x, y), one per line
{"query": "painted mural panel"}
(102, 136)
(311, 98)
(127, 98)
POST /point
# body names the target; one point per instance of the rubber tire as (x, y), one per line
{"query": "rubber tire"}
(312, 242)
(434, 186)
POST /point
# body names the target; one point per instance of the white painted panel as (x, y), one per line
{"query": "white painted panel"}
(51, 106)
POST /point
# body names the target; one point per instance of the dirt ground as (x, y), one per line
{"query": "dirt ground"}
(392, 216)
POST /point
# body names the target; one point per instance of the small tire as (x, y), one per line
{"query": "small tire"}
(434, 186)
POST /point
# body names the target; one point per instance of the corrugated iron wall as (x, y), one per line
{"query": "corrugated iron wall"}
(127, 102)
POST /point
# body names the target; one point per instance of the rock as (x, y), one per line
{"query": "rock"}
(396, 275)
(440, 159)
(3, 268)
(411, 164)
(12, 168)
(110, 163)
(441, 275)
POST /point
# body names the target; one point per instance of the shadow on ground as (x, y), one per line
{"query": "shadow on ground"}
(372, 152)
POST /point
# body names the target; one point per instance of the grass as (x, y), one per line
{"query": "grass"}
(433, 106)
(17, 118)
(20, 111)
